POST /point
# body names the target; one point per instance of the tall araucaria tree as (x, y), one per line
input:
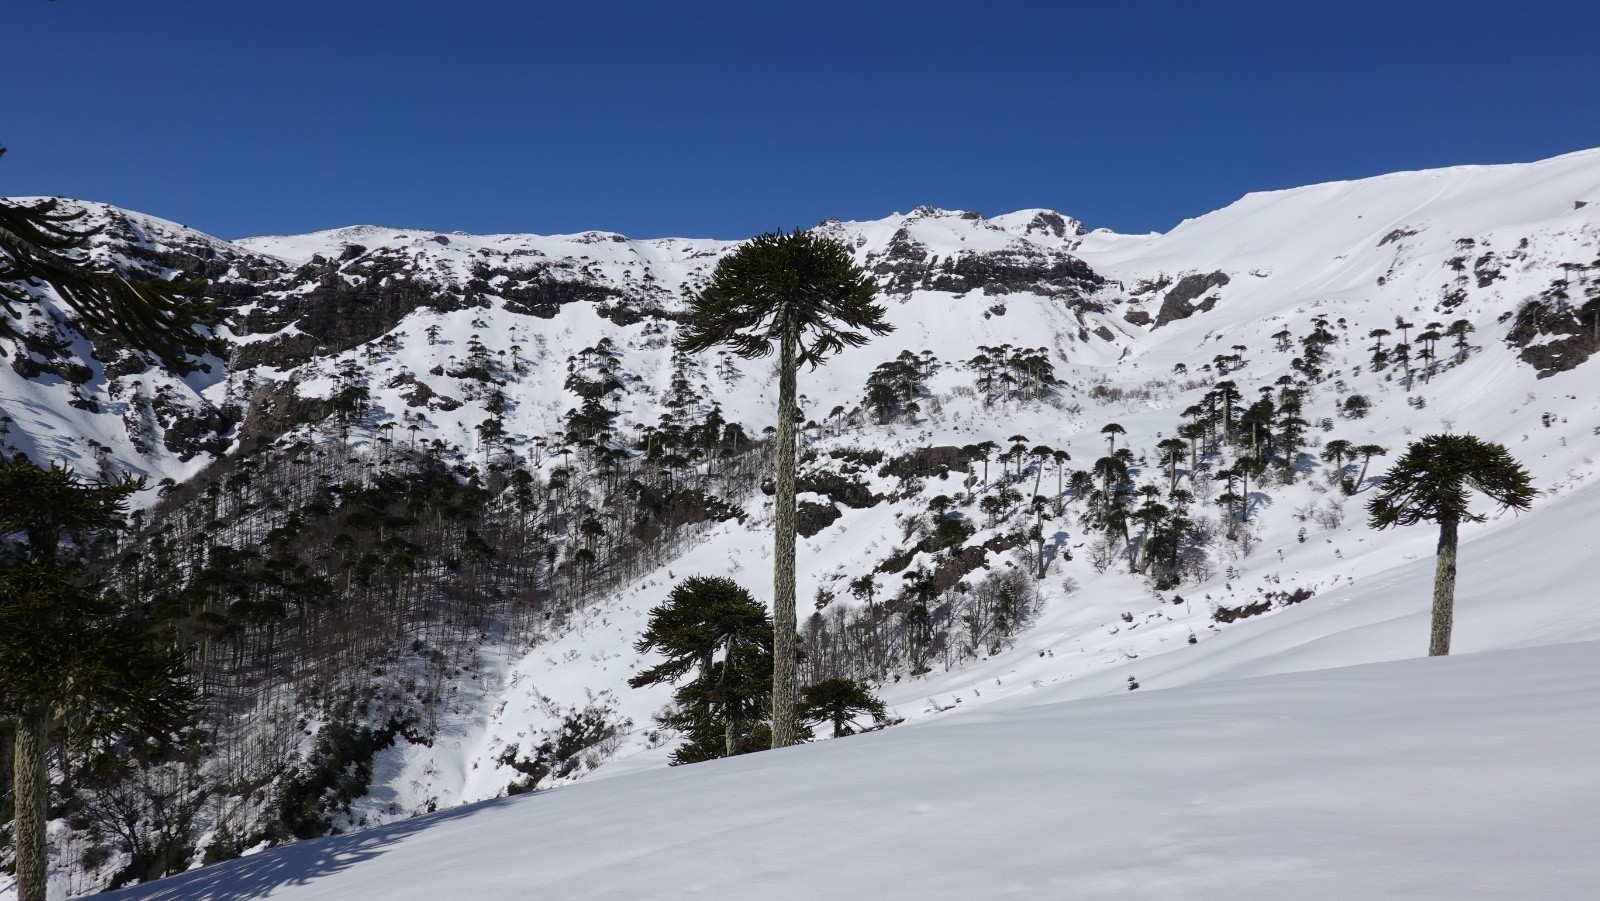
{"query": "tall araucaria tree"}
(1430, 482)
(802, 295)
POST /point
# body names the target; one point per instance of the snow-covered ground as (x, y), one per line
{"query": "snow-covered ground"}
(1454, 778)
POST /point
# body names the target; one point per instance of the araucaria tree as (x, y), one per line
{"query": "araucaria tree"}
(799, 294)
(838, 702)
(712, 628)
(75, 663)
(1430, 482)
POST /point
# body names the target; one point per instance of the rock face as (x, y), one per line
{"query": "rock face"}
(942, 252)
(1556, 336)
(1179, 301)
(326, 306)
(1046, 222)
(1006, 272)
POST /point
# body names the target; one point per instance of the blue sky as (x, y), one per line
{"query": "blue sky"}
(726, 119)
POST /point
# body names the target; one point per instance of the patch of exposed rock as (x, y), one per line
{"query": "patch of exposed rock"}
(1179, 301)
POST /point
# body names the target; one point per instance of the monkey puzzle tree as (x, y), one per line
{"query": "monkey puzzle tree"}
(711, 627)
(1061, 459)
(1337, 452)
(838, 702)
(1111, 430)
(1227, 393)
(73, 658)
(1367, 452)
(1172, 451)
(1430, 482)
(801, 294)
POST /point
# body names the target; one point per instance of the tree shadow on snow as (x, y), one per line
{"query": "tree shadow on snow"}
(299, 863)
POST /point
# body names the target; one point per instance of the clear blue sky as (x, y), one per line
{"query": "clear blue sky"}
(724, 119)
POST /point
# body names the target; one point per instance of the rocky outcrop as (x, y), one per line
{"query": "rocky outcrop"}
(1560, 329)
(190, 427)
(907, 265)
(536, 290)
(349, 302)
(1047, 222)
(1007, 272)
(1179, 301)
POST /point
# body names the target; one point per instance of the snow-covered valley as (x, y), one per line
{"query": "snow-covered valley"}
(1279, 739)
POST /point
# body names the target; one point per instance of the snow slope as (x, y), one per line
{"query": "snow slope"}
(1457, 778)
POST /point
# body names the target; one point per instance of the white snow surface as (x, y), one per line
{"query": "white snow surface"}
(1303, 753)
(1453, 778)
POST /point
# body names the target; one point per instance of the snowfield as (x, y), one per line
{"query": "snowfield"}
(1451, 778)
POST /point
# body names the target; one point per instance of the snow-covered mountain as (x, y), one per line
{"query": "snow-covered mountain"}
(1137, 329)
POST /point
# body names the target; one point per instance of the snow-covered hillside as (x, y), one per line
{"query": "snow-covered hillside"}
(1025, 765)
(1452, 779)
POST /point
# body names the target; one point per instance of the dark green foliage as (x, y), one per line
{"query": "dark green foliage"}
(802, 295)
(778, 280)
(839, 702)
(1167, 530)
(1012, 372)
(336, 773)
(893, 387)
(661, 507)
(1337, 452)
(714, 633)
(949, 531)
(76, 661)
(1314, 349)
(41, 243)
(1430, 481)
(594, 374)
(69, 647)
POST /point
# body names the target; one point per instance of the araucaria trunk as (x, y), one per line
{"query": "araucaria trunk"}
(32, 806)
(1444, 590)
(784, 692)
